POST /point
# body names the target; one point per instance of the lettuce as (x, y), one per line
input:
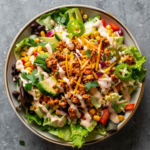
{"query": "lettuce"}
(100, 129)
(113, 97)
(63, 132)
(94, 101)
(78, 135)
(91, 128)
(35, 118)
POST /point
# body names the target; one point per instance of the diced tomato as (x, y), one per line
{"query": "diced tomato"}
(129, 106)
(105, 116)
(114, 27)
(23, 62)
(83, 117)
(118, 86)
(36, 53)
(103, 21)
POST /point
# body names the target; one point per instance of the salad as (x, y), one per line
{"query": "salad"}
(75, 75)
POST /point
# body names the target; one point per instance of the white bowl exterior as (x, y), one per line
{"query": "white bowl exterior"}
(12, 86)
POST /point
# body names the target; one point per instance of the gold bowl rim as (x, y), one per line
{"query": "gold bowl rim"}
(9, 94)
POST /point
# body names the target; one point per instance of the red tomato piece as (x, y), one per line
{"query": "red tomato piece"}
(83, 117)
(23, 62)
(36, 53)
(105, 116)
(118, 86)
(129, 106)
(114, 27)
(103, 21)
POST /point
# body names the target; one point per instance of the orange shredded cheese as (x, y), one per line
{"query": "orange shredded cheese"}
(79, 80)
(94, 74)
(107, 69)
(67, 66)
(61, 80)
(70, 65)
(79, 84)
(85, 64)
(98, 57)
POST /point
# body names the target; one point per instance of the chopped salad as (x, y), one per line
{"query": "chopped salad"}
(75, 75)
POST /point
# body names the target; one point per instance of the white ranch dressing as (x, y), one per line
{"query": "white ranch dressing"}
(20, 66)
(97, 94)
(85, 48)
(45, 74)
(30, 51)
(49, 48)
(125, 93)
(31, 59)
(53, 118)
(102, 31)
(53, 23)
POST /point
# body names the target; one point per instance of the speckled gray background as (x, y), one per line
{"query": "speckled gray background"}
(135, 14)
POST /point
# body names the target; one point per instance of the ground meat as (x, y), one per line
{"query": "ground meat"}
(104, 41)
(80, 46)
(63, 65)
(75, 100)
(64, 86)
(59, 56)
(88, 70)
(55, 88)
(93, 52)
(75, 63)
(71, 81)
(112, 70)
(52, 61)
(81, 90)
(61, 45)
(69, 94)
(88, 78)
(87, 97)
(107, 52)
(72, 113)
(129, 60)
(76, 71)
(63, 103)
(107, 62)
(114, 78)
(53, 102)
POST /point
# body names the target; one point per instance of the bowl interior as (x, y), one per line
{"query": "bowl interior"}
(11, 86)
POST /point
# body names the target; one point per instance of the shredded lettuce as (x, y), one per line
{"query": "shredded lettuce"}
(63, 132)
(78, 135)
(113, 97)
(35, 118)
(94, 101)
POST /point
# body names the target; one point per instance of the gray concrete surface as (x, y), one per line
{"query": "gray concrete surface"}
(135, 14)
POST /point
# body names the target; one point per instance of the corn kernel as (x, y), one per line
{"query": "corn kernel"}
(27, 64)
(31, 108)
(113, 35)
(120, 117)
(92, 111)
(98, 37)
(29, 69)
(83, 52)
(55, 107)
(109, 32)
(96, 33)
(41, 52)
(96, 117)
(37, 40)
(22, 58)
(35, 50)
(85, 16)
(23, 53)
(108, 27)
(122, 59)
(42, 33)
(26, 58)
(92, 36)
(81, 12)
(36, 107)
(119, 62)
(39, 49)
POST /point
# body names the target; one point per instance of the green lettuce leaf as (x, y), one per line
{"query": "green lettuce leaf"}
(91, 128)
(113, 97)
(35, 118)
(100, 129)
(94, 101)
(78, 135)
(63, 132)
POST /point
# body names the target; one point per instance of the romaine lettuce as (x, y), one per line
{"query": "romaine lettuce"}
(94, 101)
(91, 128)
(63, 132)
(100, 129)
(78, 135)
(113, 97)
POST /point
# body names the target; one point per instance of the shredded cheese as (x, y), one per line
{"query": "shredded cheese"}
(107, 69)
(61, 80)
(85, 64)
(94, 74)
(67, 66)
(98, 57)
(79, 84)
(79, 80)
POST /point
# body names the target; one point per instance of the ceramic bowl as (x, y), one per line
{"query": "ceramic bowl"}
(11, 86)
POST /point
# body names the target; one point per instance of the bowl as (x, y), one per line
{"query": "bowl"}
(10, 85)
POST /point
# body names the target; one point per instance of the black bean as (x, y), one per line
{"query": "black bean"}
(15, 94)
(16, 72)
(13, 73)
(22, 90)
(15, 77)
(40, 28)
(85, 20)
(13, 67)
(34, 25)
(37, 33)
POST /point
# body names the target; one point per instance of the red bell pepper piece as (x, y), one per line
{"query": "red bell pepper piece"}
(118, 86)
(23, 62)
(105, 116)
(103, 21)
(36, 53)
(114, 27)
(129, 106)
